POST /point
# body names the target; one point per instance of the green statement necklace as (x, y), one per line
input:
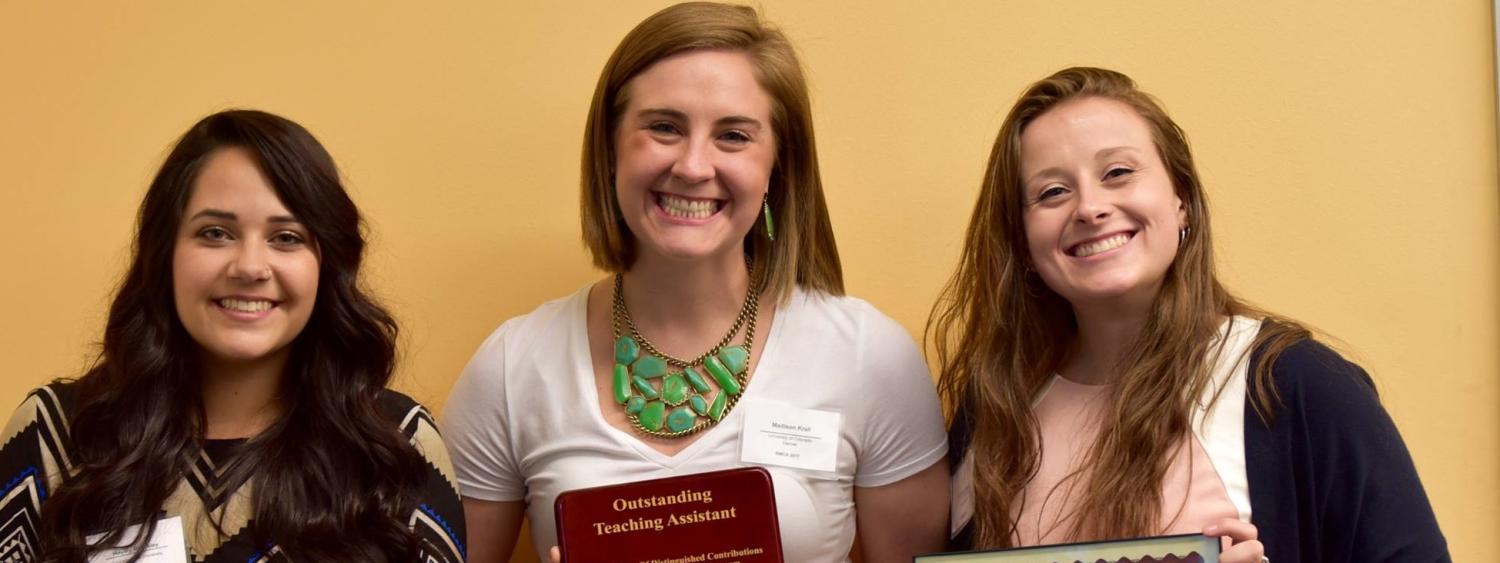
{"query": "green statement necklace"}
(669, 397)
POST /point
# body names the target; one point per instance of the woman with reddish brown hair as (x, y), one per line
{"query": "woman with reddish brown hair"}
(1107, 386)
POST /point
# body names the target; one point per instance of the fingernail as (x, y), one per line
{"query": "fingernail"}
(1211, 530)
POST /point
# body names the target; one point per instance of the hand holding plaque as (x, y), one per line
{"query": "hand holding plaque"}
(718, 516)
(1186, 548)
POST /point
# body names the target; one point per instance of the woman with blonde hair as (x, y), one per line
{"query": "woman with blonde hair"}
(1107, 386)
(699, 134)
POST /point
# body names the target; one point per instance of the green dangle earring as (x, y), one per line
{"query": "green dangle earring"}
(765, 208)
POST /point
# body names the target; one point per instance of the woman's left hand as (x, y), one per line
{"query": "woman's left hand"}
(1243, 547)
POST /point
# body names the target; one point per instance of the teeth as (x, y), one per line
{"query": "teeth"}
(245, 306)
(1111, 243)
(687, 208)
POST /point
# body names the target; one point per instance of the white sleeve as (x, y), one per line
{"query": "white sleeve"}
(903, 420)
(476, 425)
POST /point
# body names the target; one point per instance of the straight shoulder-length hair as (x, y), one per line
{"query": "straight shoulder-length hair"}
(803, 253)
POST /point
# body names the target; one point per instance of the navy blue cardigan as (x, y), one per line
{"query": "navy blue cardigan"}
(1330, 479)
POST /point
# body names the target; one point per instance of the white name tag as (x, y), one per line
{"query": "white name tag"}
(778, 434)
(167, 545)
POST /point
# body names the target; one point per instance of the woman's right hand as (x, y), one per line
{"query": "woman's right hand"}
(1243, 545)
(556, 555)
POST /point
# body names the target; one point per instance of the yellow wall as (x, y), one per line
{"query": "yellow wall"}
(1349, 151)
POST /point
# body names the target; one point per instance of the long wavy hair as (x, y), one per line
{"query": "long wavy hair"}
(1000, 334)
(331, 480)
(804, 253)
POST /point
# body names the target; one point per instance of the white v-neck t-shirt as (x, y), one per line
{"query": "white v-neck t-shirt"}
(523, 421)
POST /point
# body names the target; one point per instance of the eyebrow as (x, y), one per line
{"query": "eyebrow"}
(1028, 182)
(228, 216)
(677, 115)
(1112, 150)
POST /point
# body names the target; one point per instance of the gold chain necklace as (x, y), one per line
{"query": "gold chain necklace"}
(669, 397)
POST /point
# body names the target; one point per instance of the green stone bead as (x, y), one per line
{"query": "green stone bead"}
(626, 350)
(645, 388)
(649, 366)
(716, 411)
(696, 380)
(681, 419)
(699, 405)
(722, 376)
(635, 404)
(652, 414)
(735, 358)
(674, 389)
(621, 384)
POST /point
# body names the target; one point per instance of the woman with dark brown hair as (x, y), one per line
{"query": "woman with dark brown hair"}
(238, 409)
(1107, 386)
(700, 133)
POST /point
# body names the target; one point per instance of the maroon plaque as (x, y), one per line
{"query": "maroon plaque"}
(721, 516)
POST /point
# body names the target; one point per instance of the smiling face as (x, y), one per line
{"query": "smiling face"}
(244, 271)
(1100, 212)
(694, 153)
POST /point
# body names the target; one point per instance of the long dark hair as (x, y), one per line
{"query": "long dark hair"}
(1000, 334)
(331, 480)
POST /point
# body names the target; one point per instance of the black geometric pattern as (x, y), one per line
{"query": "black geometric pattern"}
(206, 480)
(34, 455)
(18, 524)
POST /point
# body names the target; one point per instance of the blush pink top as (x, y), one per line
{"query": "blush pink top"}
(1068, 414)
